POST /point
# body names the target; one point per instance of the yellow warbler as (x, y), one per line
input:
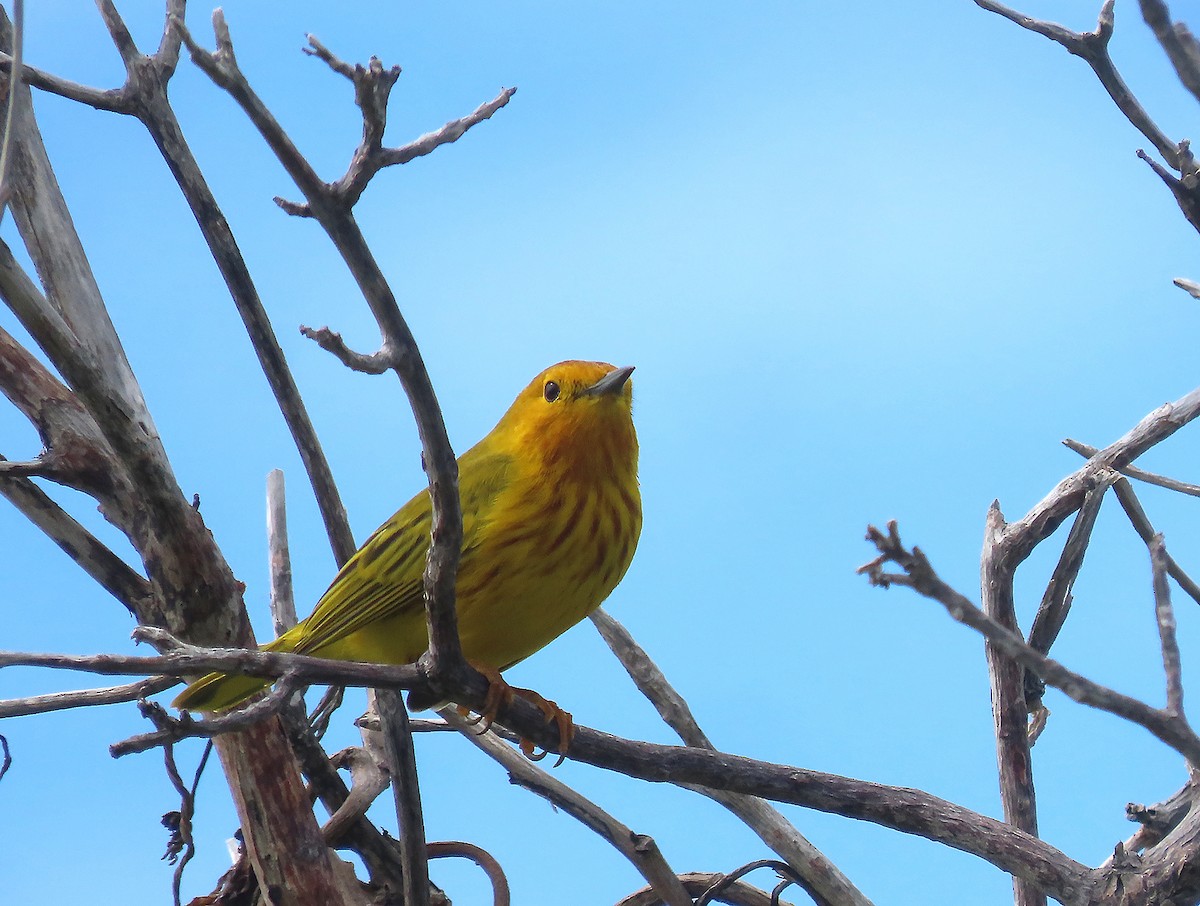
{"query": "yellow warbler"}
(551, 517)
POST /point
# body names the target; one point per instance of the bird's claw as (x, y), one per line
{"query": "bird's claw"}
(500, 694)
(562, 719)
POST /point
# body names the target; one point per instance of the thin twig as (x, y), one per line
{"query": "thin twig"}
(451, 132)
(1171, 484)
(331, 341)
(1162, 818)
(1056, 602)
(323, 713)
(739, 893)
(372, 87)
(108, 570)
(1092, 47)
(107, 99)
(85, 698)
(181, 660)
(173, 729)
(180, 822)
(1023, 536)
(720, 886)
(1165, 617)
(1141, 524)
(1186, 190)
(6, 760)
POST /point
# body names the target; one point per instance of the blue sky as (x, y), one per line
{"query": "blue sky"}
(871, 261)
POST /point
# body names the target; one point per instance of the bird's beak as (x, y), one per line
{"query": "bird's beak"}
(610, 383)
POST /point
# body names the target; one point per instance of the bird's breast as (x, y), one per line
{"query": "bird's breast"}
(546, 558)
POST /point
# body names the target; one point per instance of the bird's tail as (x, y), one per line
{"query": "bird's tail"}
(220, 691)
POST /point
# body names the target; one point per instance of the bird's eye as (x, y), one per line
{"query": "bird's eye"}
(551, 391)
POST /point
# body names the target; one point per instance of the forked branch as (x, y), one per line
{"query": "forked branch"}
(919, 575)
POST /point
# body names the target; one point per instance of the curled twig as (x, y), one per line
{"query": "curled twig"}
(782, 869)
(456, 849)
(181, 846)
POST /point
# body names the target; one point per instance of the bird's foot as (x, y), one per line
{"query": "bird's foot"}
(500, 694)
(563, 720)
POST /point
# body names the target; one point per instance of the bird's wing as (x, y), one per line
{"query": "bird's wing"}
(384, 579)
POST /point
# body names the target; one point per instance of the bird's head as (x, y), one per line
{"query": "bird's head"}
(579, 417)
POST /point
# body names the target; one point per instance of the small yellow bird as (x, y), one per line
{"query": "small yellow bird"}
(551, 517)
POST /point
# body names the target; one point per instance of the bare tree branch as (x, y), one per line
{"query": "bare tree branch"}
(1009, 709)
(1177, 41)
(144, 95)
(919, 575)
(1191, 287)
(372, 86)
(906, 810)
(456, 849)
(170, 730)
(14, 79)
(639, 849)
(1056, 602)
(445, 662)
(368, 780)
(402, 765)
(1165, 618)
(332, 342)
(84, 698)
(109, 571)
(827, 884)
(182, 847)
(181, 659)
(1092, 47)
(739, 893)
(1162, 481)
(1141, 523)
(1186, 190)
(1022, 536)
(279, 561)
